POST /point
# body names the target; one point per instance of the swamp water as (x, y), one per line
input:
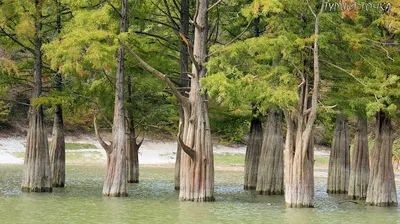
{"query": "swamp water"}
(155, 201)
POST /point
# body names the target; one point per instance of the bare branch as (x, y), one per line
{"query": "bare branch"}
(190, 50)
(107, 148)
(214, 5)
(344, 70)
(185, 148)
(115, 9)
(183, 100)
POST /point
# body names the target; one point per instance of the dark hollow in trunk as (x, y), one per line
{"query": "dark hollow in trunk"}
(270, 169)
(339, 159)
(37, 173)
(359, 170)
(381, 187)
(253, 152)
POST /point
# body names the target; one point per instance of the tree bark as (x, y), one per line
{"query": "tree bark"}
(270, 170)
(57, 150)
(115, 181)
(253, 152)
(382, 189)
(197, 163)
(339, 160)
(37, 173)
(359, 172)
(299, 170)
(184, 68)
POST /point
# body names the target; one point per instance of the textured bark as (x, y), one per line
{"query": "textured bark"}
(115, 181)
(184, 68)
(197, 163)
(381, 187)
(57, 150)
(359, 171)
(299, 170)
(37, 173)
(339, 159)
(253, 152)
(270, 169)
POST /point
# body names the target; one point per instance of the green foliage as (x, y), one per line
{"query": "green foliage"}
(4, 107)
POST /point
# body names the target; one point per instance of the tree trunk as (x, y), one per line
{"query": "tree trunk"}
(382, 188)
(253, 152)
(115, 182)
(37, 173)
(299, 170)
(184, 68)
(270, 170)
(359, 172)
(339, 159)
(197, 163)
(57, 150)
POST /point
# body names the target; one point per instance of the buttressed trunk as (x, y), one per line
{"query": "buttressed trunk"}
(270, 170)
(184, 68)
(57, 150)
(115, 181)
(253, 152)
(359, 171)
(382, 188)
(339, 160)
(37, 173)
(197, 163)
(299, 170)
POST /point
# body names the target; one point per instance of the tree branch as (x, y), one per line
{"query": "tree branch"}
(107, 148)
(190, 50)
(214, 5)
(183, 100)
(185, 148)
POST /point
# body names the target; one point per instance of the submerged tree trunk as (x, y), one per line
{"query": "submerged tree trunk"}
(359, 172)
(115, 181)
(57, 150)
(382, 188)
(299, 170)
(37, 173)
(184, 68)
(270, 170)
(339, 159)
(197, 163)
(253, 152)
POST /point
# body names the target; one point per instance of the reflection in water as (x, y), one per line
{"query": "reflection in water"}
(155, 201)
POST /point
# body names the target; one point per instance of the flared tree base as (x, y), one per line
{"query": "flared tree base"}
(249, 187)
(115, 194)
(133, 181)
(384, 204)
(59, 185)
(337, 192)
(37, 189)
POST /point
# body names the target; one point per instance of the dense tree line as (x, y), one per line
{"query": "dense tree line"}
(183, 66)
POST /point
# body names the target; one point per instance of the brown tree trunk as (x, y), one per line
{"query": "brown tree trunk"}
(115, 181)
(197, 163)
(359, 172)
(339, 159)
(382, 188)
(57, 150)
(253, 152)
(184, 68)
(270, 170)
(37, 173)
(299, 170)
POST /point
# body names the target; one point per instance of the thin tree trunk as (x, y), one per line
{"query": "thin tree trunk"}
(359, 172)
(115, 182)
(37, 173)
(57, 150)
(382, 188)
(253, 152)
(197, 163)
(339, 160)
(270, 170)
(184, 68)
